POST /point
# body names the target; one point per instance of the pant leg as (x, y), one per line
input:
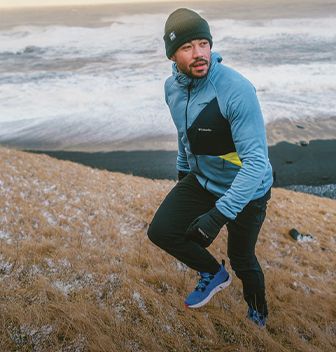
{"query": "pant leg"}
(184, 203)
(242, 237)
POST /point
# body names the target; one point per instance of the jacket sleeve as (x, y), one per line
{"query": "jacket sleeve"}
(249, 136)
(181, 162)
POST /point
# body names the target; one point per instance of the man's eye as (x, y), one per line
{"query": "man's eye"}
(204, 43)
(186, 47)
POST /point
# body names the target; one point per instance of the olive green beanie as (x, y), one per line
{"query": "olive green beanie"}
(182, 26)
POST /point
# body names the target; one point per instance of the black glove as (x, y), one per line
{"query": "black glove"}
(206, 227)
(181, 175)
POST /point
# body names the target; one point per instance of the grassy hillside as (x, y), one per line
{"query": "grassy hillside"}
(77, 272)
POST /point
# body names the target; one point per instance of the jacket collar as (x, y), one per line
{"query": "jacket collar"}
(187, 81)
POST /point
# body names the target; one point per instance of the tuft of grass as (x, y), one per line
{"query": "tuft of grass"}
(78, 273)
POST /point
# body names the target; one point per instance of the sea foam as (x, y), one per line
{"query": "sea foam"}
(106, 83)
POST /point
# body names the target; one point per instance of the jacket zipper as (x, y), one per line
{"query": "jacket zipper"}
(206, 183)
(186, 111)
(186, 121)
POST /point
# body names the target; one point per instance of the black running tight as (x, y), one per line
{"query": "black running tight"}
(185, 202)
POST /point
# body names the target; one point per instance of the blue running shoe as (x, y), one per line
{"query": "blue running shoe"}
(208, 285)
(258, 318)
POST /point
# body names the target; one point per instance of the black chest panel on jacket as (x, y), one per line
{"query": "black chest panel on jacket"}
(210, 133)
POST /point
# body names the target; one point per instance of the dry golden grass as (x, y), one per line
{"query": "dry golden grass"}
(77, 272)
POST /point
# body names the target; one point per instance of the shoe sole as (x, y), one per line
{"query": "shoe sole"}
(212, 293)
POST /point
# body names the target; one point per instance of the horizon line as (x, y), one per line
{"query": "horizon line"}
(120, 2)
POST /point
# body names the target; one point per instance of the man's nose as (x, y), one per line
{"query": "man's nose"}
(197, 51)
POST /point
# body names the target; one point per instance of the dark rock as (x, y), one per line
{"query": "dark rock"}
(297, 236)
(294, 233)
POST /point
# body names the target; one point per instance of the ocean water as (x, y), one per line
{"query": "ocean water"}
(71, 87)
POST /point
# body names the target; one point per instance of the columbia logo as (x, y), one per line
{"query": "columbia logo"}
(172, 36)
(205, 129)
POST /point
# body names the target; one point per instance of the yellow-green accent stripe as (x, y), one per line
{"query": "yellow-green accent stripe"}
(232, 158)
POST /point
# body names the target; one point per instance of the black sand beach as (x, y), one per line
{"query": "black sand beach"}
(309, 163)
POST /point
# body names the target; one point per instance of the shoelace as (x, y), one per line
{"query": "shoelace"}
(203, 281)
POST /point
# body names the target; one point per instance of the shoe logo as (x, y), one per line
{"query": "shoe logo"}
(172, 36)
(205, 130)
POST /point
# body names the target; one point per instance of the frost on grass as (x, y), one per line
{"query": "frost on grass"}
(5, 266)
(181, 266)
(50, 218)
(131, 225)
(114, 281)
(75, 284)
(77, 345)
(120, 309)
(58, 266)
(139, 301)
(37, 339)
(300, 285)
(6, 237)
(34, 338)
(306, 238)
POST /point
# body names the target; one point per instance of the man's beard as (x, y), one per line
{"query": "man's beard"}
(194, 65)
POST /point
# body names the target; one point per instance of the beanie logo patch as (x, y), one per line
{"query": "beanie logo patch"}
(172, 36)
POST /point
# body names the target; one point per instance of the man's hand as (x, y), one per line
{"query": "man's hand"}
(206, 227)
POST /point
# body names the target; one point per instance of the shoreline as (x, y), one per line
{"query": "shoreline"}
(309, 165)
(301, 153)
(295, 131)
(298, 131)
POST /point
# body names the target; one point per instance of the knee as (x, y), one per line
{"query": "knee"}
(162, 236)
(241, 263)
(154, 233)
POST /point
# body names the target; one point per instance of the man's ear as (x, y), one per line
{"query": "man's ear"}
(173, 58)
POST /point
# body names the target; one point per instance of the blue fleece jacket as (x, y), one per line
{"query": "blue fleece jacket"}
(221, 134)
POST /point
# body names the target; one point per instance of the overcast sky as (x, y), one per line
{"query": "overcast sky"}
(23, 3)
